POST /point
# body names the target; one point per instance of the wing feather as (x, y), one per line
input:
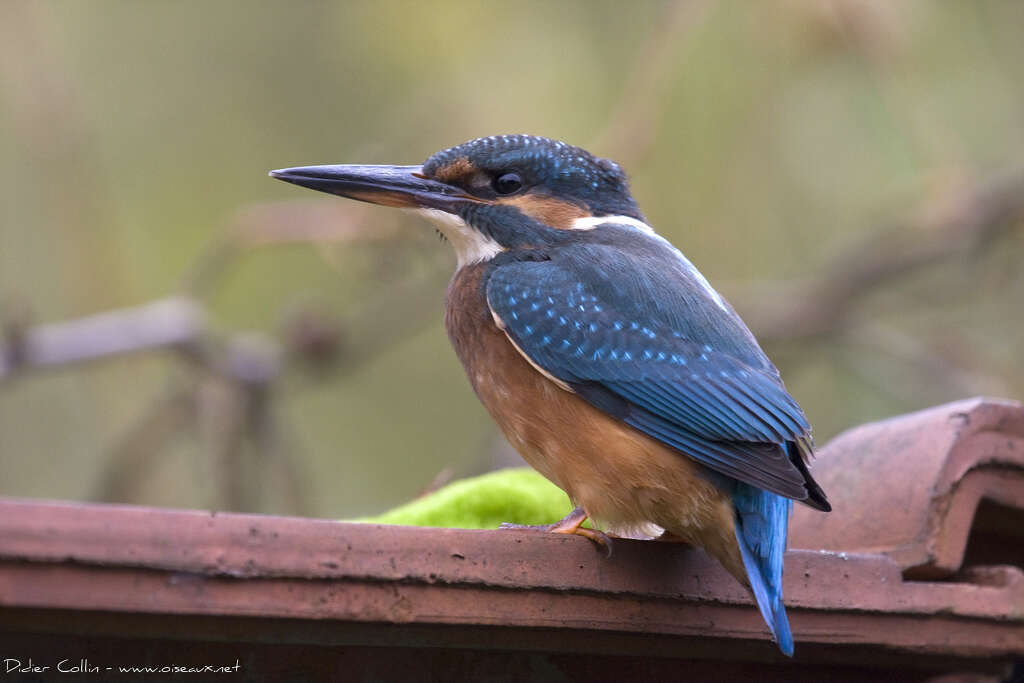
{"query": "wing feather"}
(694, 379)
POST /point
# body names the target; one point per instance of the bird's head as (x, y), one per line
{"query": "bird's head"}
(491, 194)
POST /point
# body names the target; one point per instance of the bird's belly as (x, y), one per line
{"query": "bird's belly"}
(617, 474)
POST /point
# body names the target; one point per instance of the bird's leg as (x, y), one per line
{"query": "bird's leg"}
(570, 524)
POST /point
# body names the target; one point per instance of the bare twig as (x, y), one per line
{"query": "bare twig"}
(971, 219)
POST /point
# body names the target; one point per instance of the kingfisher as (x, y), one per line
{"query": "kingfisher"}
(606, 358)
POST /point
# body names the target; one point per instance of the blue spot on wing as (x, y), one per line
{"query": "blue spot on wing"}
(732, 415)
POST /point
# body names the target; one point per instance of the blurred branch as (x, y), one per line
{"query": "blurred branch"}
(634, 127)
(173, 323)
(314, 222)
(929, 365)
(965, 221)
(229, 396)
(161, 324)
(230, 400)
(134, 456)
(386, 318)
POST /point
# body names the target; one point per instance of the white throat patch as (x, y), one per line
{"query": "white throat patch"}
(471, 246)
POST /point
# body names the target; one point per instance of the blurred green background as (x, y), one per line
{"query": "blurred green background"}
(782, 146)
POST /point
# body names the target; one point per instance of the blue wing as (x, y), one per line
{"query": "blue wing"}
(638, 333)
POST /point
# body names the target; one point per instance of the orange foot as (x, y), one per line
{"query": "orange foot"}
(570, 525)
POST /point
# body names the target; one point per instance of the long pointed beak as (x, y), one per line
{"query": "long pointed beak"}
(401, 186)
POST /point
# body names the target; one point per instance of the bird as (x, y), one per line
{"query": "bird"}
(606, 358)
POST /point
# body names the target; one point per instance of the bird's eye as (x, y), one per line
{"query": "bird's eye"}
(507, 183)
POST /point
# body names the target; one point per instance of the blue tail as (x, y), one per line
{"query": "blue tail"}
(762, 521)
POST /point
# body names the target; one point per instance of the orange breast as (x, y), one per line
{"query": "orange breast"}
(619, 475)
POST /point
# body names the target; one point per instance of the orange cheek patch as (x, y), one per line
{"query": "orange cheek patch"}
(452, 172)
(555, 213)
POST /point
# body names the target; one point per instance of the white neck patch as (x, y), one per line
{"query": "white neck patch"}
(471, 246)
(591, 222)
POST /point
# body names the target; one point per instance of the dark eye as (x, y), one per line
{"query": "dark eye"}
(507, 183)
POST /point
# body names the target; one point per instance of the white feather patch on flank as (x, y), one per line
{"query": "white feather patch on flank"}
(591, 222)
(471, 246)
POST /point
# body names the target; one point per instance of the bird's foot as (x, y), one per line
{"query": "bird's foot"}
(570, 525)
